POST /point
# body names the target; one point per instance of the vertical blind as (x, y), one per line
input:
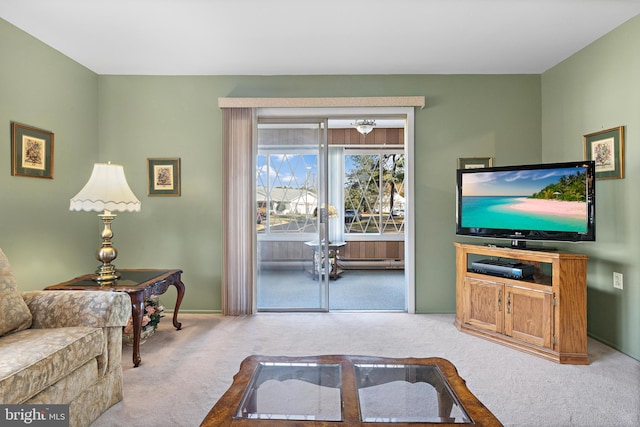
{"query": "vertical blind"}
(238, 213)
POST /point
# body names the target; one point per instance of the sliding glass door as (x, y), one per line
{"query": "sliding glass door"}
(292, 215)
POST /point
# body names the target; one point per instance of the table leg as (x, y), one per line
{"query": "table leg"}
(180, 288)
(137, 312)
(334, 263)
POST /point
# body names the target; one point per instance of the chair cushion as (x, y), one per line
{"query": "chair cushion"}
(33, 359)
(14, 313)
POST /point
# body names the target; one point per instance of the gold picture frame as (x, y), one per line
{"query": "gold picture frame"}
(164, 177)
(31, 151)
(606, 148)
(474, 162)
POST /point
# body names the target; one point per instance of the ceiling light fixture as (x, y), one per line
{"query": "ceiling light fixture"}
(365, 126)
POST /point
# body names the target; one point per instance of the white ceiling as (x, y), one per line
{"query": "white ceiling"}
(291, 37)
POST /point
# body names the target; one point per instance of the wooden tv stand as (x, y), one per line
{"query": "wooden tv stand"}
(545, 316)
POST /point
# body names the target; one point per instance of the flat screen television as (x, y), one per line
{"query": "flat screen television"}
(544, 202)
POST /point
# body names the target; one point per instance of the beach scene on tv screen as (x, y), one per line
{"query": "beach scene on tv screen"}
(538, 199)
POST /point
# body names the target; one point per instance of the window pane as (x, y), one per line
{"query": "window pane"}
(393, 192)
(286, 190)
(361, 193)
(374, 193)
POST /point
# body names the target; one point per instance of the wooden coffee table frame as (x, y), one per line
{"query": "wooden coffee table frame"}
(155, 282)
(223, 412)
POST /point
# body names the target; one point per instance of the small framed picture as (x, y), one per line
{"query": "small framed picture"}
(606, 148)
(474, 162)
(31, 151)
(164, 177)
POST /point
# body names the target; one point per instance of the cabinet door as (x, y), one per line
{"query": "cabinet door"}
(484, 303)
(528, 315)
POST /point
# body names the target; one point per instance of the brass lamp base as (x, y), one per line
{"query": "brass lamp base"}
(104, 278)
(106, 274)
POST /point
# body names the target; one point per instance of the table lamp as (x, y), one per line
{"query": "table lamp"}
(106, 191)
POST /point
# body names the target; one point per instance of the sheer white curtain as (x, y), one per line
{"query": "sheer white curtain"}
(239, 212)
(336, 193)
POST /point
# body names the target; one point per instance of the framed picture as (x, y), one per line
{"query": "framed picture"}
(164, 177)
(474, 162)
(31, 151)
(607, 149)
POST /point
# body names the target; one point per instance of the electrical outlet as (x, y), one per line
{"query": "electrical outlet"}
(617, 280)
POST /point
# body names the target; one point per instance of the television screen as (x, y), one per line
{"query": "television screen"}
(554, 202)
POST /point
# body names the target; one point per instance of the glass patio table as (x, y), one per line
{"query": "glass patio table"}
(348, 391)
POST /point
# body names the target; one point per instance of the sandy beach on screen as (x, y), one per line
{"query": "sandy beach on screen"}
(554, 207)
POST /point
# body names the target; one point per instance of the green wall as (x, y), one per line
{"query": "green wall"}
(598, 88)
(45, 242)
(127, 119)
(143, 117)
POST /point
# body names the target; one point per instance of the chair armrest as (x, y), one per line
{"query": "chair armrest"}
(57, 309)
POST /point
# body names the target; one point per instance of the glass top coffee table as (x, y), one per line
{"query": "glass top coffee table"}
(348, 390)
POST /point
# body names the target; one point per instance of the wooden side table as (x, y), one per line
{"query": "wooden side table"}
(139, 284)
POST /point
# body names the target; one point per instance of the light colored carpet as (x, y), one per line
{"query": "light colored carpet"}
(183, 373)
